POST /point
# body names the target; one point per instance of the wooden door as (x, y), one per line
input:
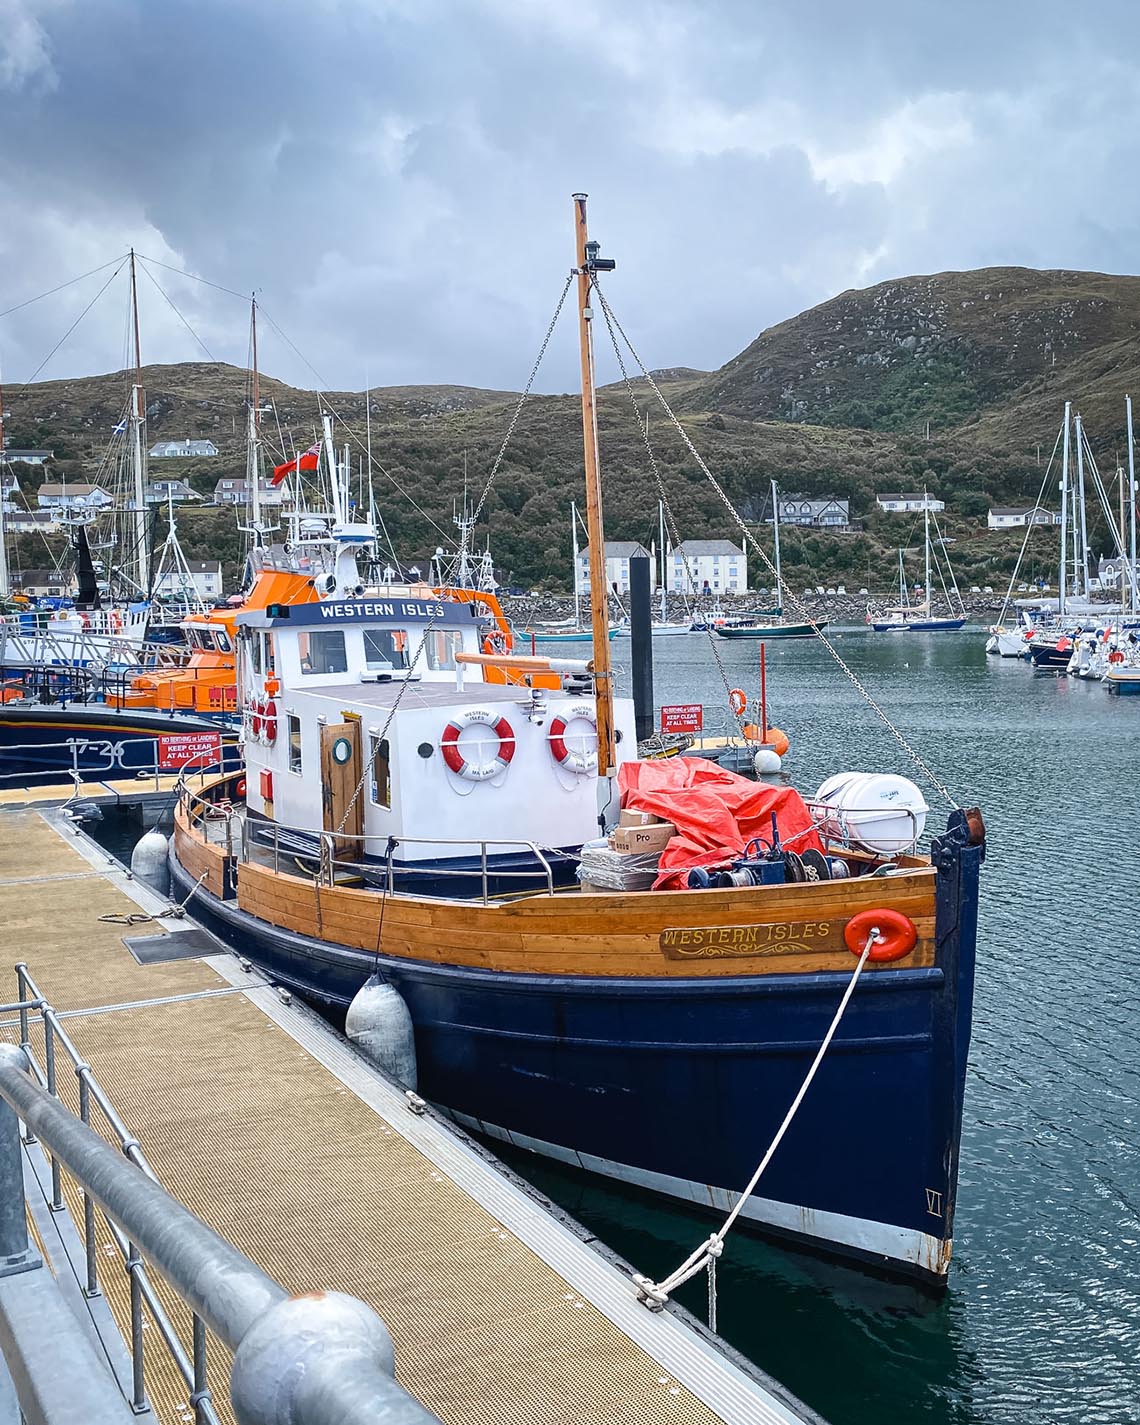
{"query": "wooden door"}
(341, 766)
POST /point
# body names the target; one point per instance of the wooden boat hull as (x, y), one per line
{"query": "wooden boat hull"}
(659, 1039)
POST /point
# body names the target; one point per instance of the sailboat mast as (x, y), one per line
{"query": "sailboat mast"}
(776, 531)
(5, 587)
(926, 532)
(599, 596)
(1131, 508)
(253, 464)
(138, 420)
(1081, 546)
(661, 536)
(1064, 516)
(574, 556)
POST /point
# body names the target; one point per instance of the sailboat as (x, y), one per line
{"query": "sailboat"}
(782, 628)
(414, 823)
(573, 630)
(906, 617)
(661, 627)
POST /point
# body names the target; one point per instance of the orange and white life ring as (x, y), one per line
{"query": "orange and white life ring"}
(115, 619)
(895, 934)
(1116, 656)
(269, 721)
(456, 757)
(255, 719)
(737, 701)
(571, 752)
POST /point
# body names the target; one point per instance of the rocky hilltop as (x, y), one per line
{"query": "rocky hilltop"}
(954, 382)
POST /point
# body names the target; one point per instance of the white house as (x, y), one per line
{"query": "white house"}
(44, 583)
(30, 457)
(712, 566)
(824, 512)
(909, 504)
(236, 492)
(205, 573)
(184, 449)
(77, 499)
(1111, 569)
(618, 554)
(1018, 516)
(9, 488)
(159, 492)
(18, 521)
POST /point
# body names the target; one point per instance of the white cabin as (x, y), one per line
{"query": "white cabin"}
(360, 722)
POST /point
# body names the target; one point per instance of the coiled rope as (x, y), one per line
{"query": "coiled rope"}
(654, 1295)
(747, 534)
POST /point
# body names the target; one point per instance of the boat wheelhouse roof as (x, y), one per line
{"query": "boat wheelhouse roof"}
(344, 613)
(414, 695)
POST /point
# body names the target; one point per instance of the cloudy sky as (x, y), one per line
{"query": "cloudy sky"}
(394, 176)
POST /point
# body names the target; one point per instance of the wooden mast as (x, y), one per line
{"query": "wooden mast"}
(599, 595)
(142, 552)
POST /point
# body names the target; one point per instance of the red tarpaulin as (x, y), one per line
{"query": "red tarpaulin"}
(716, 813)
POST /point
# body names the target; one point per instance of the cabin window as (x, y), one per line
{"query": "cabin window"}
(441, 648)
(223, 638)
(381, 772)
(385, 648)
(255, 653)
(293, 723)
(270, 660)
(322, 651)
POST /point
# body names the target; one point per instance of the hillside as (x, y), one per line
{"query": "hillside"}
(834, 401)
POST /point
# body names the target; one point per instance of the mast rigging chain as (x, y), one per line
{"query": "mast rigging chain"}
(796, 603)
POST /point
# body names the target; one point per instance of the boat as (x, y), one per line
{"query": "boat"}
(412, 822)
(782, 628)
(906, 617)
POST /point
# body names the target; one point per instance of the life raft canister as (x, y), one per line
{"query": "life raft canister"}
(896, 935)
(578, 759)
(480, 771)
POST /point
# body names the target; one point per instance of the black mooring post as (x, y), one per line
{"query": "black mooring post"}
(641, 639)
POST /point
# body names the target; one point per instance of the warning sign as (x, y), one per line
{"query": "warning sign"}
(185, 749)
(683, 717)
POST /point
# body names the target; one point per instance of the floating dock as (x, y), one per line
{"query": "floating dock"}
(271, 1127)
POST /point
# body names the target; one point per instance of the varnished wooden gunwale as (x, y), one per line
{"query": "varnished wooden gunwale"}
(583, 933)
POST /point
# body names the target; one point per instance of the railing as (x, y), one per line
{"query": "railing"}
(97, 759)
(272, 835)
(283, 1347)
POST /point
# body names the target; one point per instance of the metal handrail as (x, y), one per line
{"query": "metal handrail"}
(113, 752)
(836, 814)
(275, 1339)
(328, 839)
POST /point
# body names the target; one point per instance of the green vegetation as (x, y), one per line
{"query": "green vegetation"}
(836, 401)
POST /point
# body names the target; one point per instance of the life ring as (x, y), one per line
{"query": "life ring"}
(116, 621)
(581, 761)
(737, 701)
(1116, 656)
(269, 722)
(239, 789)
(896, 935)
(255, 719)
(454, 759)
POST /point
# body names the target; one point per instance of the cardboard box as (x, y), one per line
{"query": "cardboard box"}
(637, 818)
(644, 839)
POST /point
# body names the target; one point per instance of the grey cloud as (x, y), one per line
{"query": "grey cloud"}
(395, 178)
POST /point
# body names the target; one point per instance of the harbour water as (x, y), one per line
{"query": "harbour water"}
(1041, 1322)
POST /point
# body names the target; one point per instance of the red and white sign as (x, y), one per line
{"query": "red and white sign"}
(183, 749)
(683, 717)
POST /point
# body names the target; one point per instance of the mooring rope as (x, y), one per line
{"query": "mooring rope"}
(653, 1294)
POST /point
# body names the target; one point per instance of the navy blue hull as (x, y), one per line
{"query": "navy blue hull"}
(43, 744)
(679, 1085)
